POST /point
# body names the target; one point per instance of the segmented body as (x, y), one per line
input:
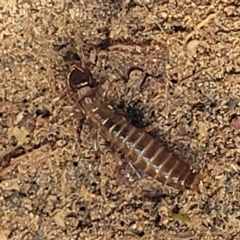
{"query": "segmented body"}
(138, 146)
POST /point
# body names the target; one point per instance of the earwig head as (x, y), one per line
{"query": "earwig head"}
(80, 77)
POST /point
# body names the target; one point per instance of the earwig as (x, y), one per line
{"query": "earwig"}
(145, 152)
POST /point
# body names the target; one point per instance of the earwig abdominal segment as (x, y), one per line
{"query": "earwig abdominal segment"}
(145, 152)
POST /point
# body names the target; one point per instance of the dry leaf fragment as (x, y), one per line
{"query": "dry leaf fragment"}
(180, 217)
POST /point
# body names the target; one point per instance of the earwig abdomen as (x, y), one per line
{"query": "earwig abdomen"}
(139, 147)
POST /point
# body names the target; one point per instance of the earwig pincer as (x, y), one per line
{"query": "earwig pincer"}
(145, 152)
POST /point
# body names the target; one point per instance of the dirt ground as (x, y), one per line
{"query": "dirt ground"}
(52, 184)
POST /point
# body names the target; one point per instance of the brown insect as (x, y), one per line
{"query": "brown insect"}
(145, 152)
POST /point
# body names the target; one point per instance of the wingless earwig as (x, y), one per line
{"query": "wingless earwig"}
(145, 152)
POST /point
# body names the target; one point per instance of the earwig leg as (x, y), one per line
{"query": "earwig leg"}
(116, 155)
(199, 177)
(95, 140)
(121, 177)
(122, 113)
(106, 86)
(148, 129)
(203, 175)
(102, 181)
(140, 173)
(80, 117)
(123, 160)
(74, 110)
(126, 168)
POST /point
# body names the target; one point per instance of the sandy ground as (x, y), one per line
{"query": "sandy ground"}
(52, 184)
